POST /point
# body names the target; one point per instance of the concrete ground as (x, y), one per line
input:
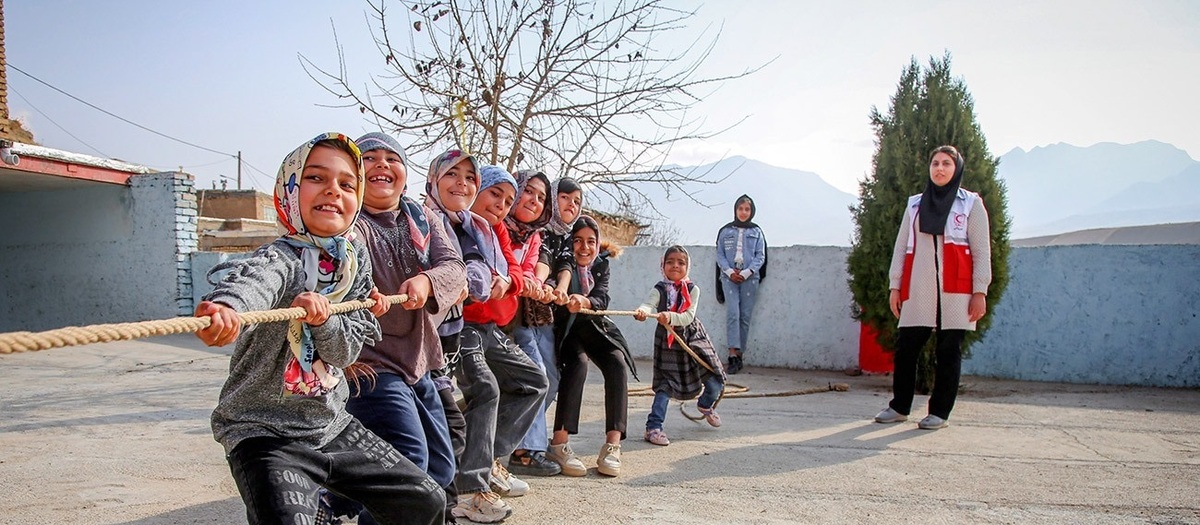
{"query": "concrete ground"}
(118, 433)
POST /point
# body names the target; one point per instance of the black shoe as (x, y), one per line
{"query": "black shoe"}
(532, 463)
(735, 364)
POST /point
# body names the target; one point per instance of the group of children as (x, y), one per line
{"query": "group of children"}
(354, 414)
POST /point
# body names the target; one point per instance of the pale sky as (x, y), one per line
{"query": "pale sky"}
(225, 75)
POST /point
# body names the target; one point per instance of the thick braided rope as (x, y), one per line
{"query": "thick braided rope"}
(104, 333)
(737, 391)
(629, 313)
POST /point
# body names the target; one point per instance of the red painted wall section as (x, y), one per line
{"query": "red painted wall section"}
(75, 171)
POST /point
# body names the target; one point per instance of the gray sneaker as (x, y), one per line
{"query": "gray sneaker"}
(932, 422)
(890, 416)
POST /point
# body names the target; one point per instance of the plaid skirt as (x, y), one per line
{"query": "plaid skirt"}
(675, 371)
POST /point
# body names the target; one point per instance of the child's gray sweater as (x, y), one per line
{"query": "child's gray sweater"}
(252, 403)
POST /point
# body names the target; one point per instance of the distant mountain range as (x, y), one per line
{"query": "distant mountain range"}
(793, 207)
(1051, 189)
(1062, 188)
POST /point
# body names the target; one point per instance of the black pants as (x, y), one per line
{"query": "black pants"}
(574, 352)
(278, 479)
(909, 342)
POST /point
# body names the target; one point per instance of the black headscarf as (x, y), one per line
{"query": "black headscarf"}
(937, 200)
(748, 223)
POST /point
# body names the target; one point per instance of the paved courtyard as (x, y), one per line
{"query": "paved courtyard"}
(118, 434)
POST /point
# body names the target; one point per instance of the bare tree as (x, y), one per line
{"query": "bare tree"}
(572, 86)
(661, 232)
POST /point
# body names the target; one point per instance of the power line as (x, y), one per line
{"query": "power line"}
(47, 117)
(118, 117)
(270, 178)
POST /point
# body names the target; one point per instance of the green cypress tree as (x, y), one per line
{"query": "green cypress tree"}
(930, 108)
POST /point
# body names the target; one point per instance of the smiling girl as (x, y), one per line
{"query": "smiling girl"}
(502, 388)
(674, 302)
(528, 216)
(594, 337)
(282, 413)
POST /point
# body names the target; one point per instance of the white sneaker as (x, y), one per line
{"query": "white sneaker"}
(506, 484)
(890, 416)
(565, 457)
(609, 462)
(481, 507)
(932, 422)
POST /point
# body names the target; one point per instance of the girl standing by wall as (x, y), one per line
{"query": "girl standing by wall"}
(741, 266)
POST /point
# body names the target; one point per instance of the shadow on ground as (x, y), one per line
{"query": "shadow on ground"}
(228, 510)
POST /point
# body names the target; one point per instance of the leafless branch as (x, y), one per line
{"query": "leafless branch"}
(573, 87)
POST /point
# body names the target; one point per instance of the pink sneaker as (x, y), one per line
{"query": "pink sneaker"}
(710, 415)
(657, 437)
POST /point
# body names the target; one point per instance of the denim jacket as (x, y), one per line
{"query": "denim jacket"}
(753, 249)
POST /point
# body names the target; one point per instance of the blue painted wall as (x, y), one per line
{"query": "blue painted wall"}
(1082, 314)
(1097, 314)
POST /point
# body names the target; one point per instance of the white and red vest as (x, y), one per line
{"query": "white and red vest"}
(956, 253)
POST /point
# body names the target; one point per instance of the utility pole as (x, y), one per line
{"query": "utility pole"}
(239, 169)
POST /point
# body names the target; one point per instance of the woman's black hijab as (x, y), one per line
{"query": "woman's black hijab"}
(936, 201)
(748, 223)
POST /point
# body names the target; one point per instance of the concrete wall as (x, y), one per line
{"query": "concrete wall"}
(99, 254)
(1097, 314)
(201, 263)
(802, 319)
(1081, 314)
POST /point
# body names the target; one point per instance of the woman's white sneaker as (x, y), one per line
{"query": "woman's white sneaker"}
(932, 422)
(890, 416)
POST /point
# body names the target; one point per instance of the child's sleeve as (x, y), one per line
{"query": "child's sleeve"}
(546, 253)
(479, 280)
(517, 284)
(599, 293)
(447, 272)
(686, 317)
(650, 306)
(529, 263)
(340, 339)
(722, 259)
(257, 282)
(760, 254)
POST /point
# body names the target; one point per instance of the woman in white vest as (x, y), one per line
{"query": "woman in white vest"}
(940, 273)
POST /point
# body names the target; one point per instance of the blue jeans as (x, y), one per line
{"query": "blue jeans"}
(739, 305)
(658, 410)
(538, 344)
(411, 419)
